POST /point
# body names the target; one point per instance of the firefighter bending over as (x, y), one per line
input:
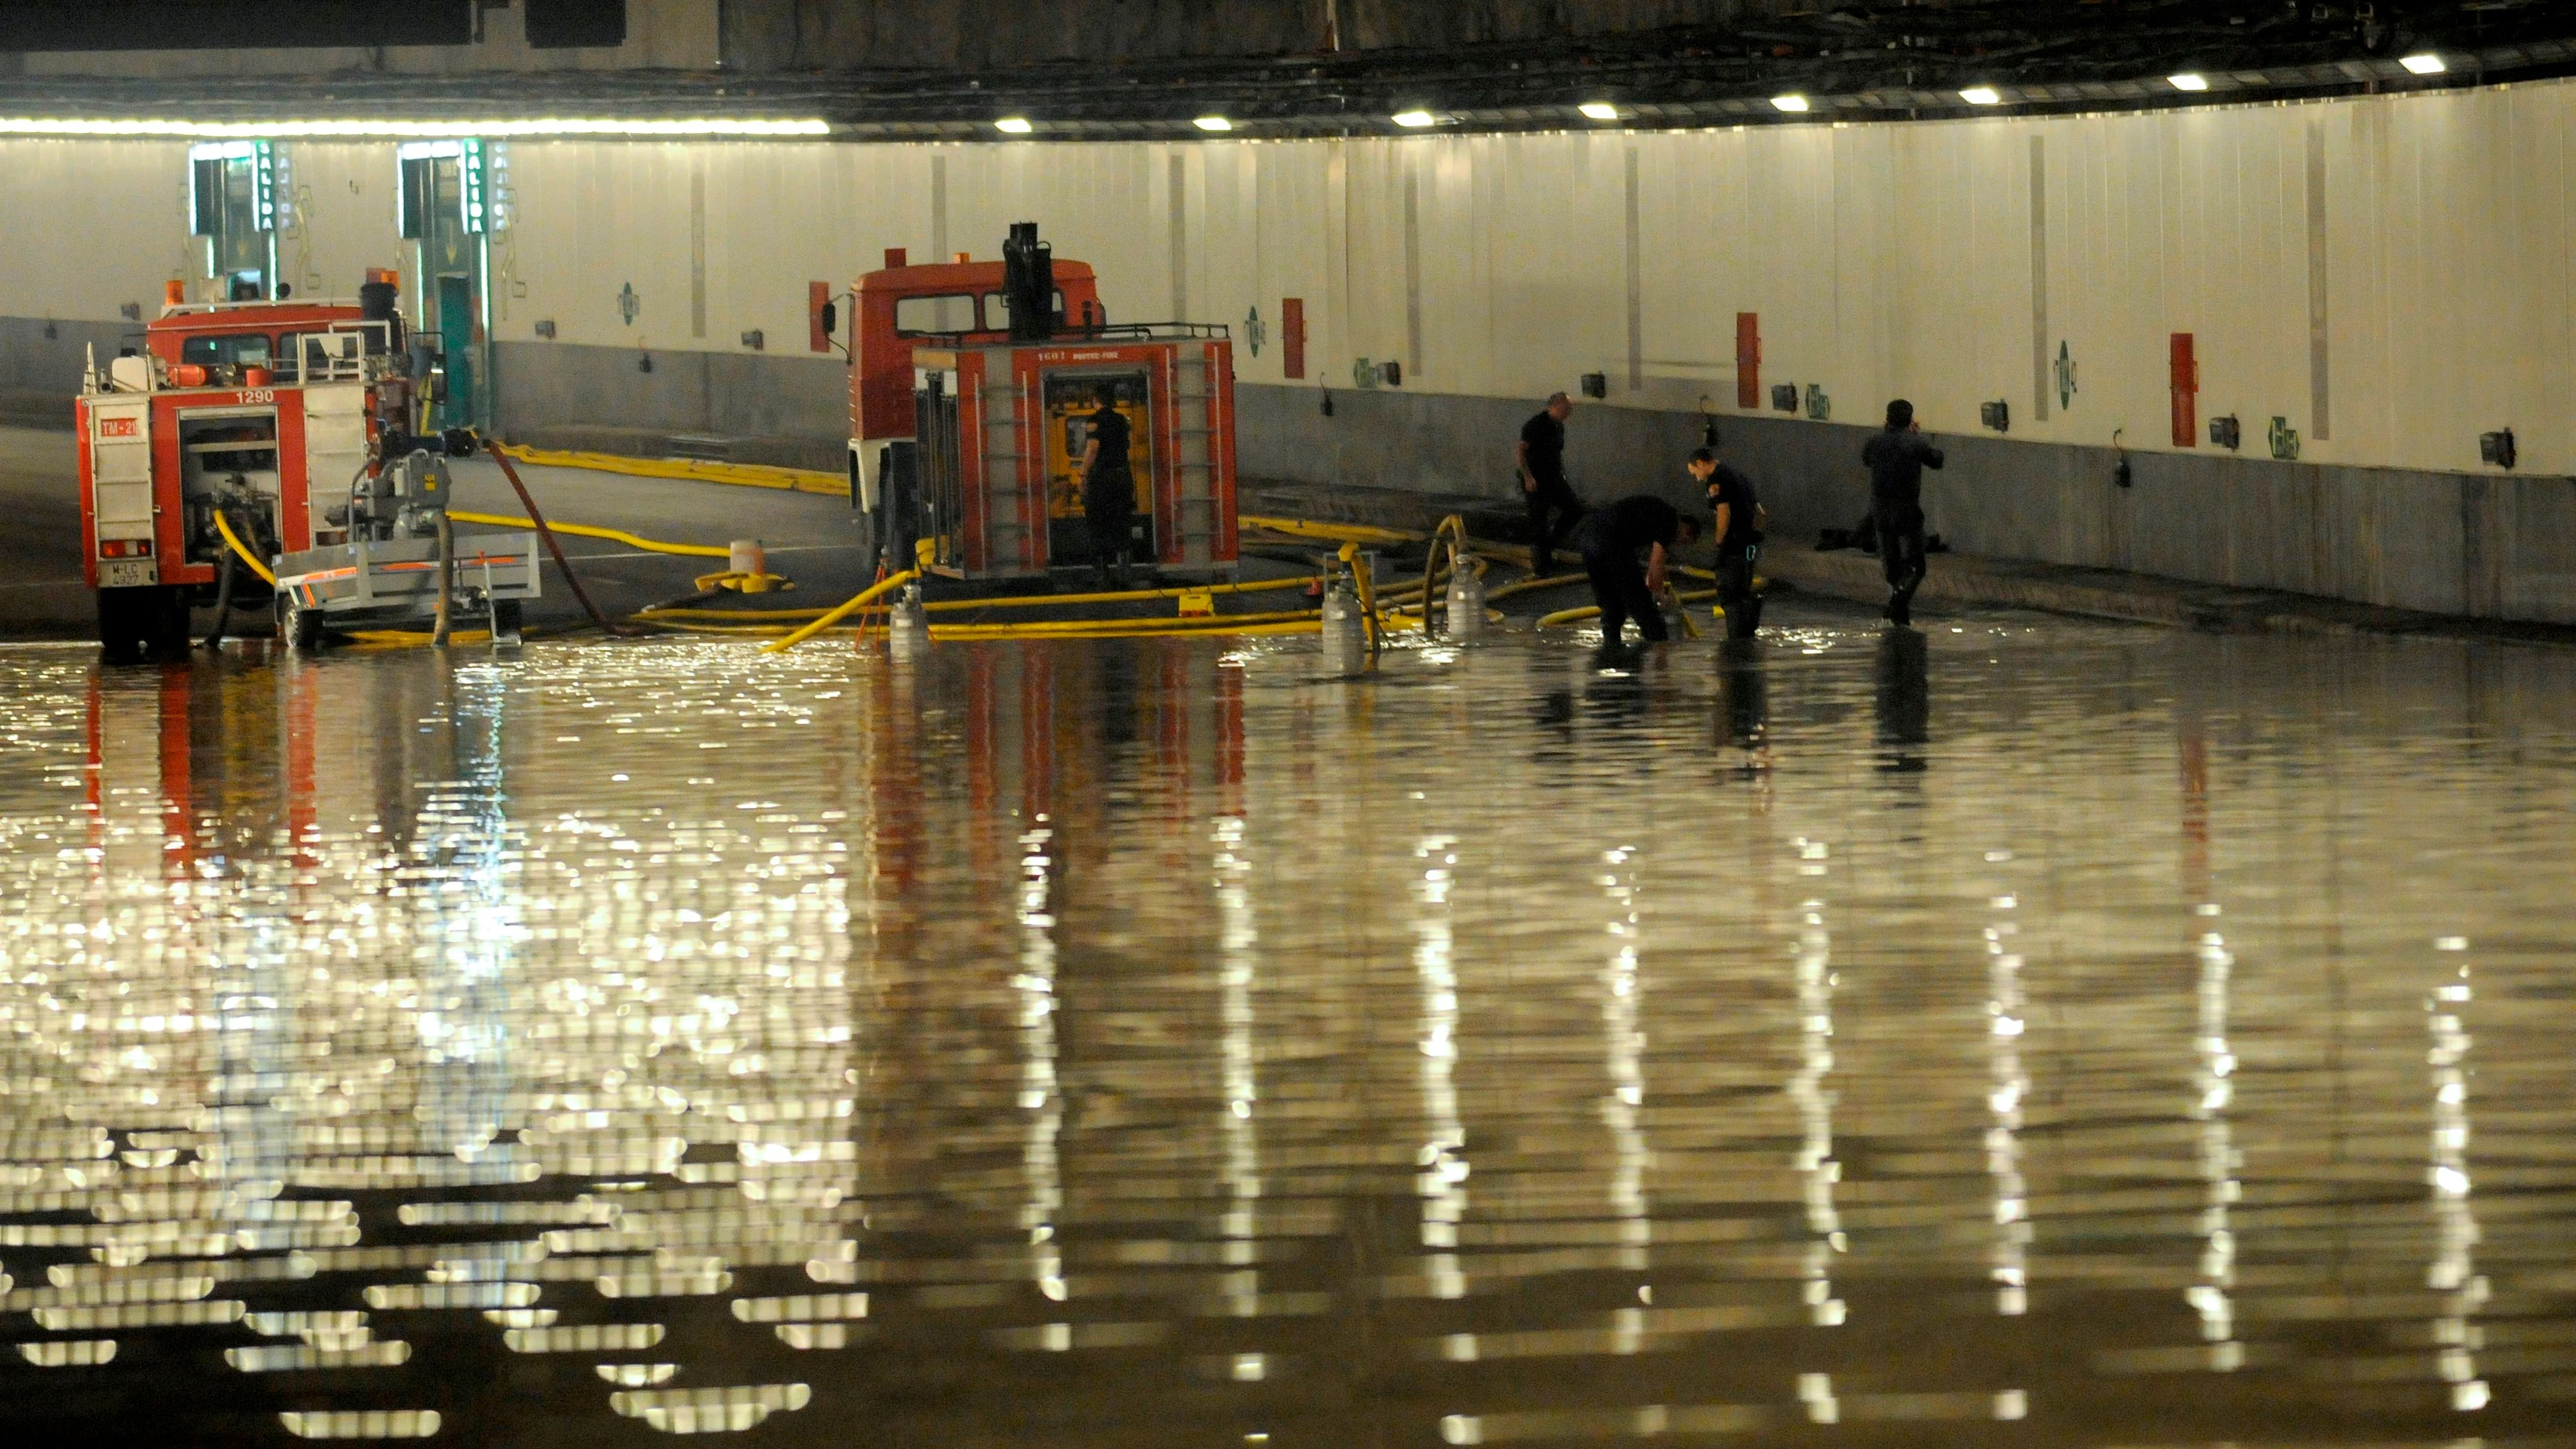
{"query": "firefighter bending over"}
(1610, 539)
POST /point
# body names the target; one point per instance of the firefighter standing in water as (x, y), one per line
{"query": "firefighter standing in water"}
(1539, 455)
(1739, 540)
(1896, 458)
(1108, 489)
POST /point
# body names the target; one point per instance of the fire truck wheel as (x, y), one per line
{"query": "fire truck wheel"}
(121, 626)
(871, 534)
(164, 614)
(299, 627)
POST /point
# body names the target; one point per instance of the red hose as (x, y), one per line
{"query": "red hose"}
(627, 631)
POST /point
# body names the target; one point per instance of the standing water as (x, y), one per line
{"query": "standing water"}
(2028, 1032)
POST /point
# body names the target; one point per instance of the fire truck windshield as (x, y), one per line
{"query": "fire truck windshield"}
(997, 310)
(920, 316)
(245, 349)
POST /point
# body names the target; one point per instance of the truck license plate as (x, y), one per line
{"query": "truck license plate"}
(128, 573)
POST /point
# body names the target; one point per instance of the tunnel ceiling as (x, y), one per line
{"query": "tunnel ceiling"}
(1854, 63)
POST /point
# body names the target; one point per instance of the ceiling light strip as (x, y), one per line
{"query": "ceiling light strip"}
(281, 130)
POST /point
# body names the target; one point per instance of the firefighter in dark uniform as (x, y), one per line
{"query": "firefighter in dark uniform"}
(1610, 539)
(1108, 489)
(1739, 540)
(1896, 457)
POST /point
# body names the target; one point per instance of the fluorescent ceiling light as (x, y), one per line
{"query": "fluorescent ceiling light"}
(1013, 126)
(279, 130)
(1213, 123)
(1599, 110)
(1790, 103)
(2426, 63)
(2188, 82)
(1981, 95)
(1416, 119)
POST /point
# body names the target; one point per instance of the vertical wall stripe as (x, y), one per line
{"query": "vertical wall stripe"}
(938, 208)
(2039, 378)
(1636, 287)
(1412, 271)
(698, 248)
(1180, 238)
(2320, 426)
(1338, 329)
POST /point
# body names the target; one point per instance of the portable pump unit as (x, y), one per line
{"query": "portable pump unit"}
(384, 568)
(989, 485)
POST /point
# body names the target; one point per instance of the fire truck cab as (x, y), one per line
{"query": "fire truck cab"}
(897, 308)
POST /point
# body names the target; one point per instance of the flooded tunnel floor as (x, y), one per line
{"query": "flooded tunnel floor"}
(2027, 1031)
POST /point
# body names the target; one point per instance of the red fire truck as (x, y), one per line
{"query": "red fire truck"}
(894, 309)
(277, 419)
(972, 386)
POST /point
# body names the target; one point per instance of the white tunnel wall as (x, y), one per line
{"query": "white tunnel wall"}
(1882, 260)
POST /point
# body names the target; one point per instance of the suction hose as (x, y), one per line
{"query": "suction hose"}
(223, 598)
(440, 619)
(224, 581)
(539, 521)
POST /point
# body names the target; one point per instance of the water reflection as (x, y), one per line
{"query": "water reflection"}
(1904, 700)
(2213, 1091)
(1623, 1107)
(2008, 1022)
(1089, 1045)
(2456, 1333)
(1744, 688)
(1442, 1166)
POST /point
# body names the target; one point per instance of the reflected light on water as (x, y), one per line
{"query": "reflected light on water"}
(2456, 1334)
(1086, 1045)
(1441, 1167)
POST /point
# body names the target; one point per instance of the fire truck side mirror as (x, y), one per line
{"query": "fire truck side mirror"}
(831, 319)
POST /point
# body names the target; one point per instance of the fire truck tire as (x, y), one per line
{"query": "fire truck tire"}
(121, 623)
(871, 534)
(168, 616)
(298, 627)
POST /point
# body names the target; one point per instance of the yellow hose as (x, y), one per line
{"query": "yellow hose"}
(1530, 585)
(1361, 575)
(389, 638)
(1593, 611)
(243, 551)
(1332, 532)
(1024, 601)
(1224, 627)
(1156, 629)
(1215, 624)
(748, 475)
(856, 602)
(584, 530)
(1017, 601)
